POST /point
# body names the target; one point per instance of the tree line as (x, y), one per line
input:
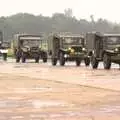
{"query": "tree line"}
(59, 22)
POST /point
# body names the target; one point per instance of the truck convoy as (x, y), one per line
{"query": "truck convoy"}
(92, 48)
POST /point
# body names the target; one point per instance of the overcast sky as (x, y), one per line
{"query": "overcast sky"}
(108, 9)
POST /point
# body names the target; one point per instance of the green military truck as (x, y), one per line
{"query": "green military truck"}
(64, 48)
(28, 46)
(103, 47)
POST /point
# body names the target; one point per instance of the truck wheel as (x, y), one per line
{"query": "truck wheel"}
(44, 57)
(94, 62)
(17, 59)
(37, 60)
(54, 61)
(107, 61)
(78, 61)
(87, 61)
(18, 56)
(62, 59)
(23, 58)
(45, 60)
(4, 56)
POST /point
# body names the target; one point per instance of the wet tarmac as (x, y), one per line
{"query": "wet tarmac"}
(108, 79)
(40, 91)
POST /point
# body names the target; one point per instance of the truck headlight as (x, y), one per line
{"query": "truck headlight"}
(69, 48)
(83, 49)
(116, 50)
(72, 50)
(65, 55)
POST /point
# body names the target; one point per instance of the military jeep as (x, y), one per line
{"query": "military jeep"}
(4, 45)
(64, 48)
(28, 46)
(103, 47)
(4, 49)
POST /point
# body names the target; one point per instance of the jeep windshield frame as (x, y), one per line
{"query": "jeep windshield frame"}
(32, 41)
(70, 41)
(5, 44)
(112, 40)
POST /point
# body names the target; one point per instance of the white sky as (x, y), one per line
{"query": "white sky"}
(108, 9)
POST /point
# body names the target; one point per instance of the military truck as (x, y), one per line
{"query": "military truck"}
(64, 48)
(4, 45)
(28, 46)
(103, 47)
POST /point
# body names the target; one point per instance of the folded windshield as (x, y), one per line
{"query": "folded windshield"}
(72, 41)
(113, 40)
(31, 42)
(69, 41)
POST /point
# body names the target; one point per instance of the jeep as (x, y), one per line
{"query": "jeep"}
(4, 45)
(4, 49)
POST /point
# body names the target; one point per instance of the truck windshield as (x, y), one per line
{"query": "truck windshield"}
(113, 40)
(72, 41)
(5, 44)
(31, 42)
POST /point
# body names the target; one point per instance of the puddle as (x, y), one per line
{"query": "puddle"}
(8, 104)
(109, 109)
(32, 90)
(40, 104)
(41, 88)
(17, 117)
(37, 104)
(30, 103)
(83, 113)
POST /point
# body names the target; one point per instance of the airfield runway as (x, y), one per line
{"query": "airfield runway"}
(40, 91)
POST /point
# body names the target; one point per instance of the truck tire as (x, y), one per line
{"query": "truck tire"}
(37, 59)
(5, 56)
(87, 61)
(94, 62)
(78, 61)
(54, 61)
(23, 58)
(106, 61)
(17, 56)
(17, 59)
(62, 59)
(45, 59)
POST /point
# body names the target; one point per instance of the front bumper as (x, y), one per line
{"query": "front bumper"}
(74, 55)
